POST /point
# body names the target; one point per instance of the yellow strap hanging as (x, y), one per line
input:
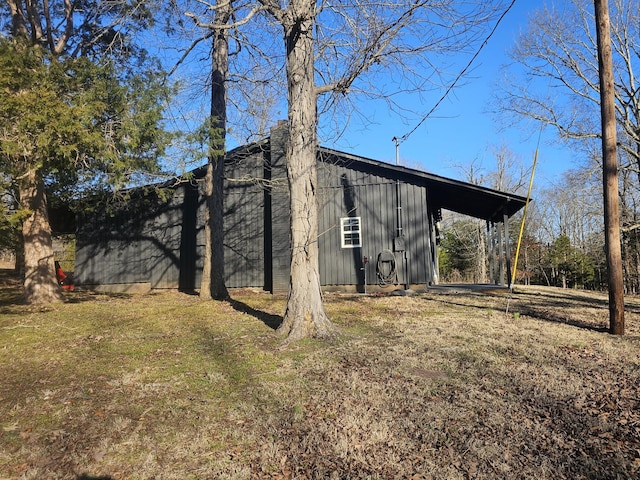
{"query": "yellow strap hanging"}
(524, 218)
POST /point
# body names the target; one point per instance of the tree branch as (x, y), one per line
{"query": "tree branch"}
(189, 49)
(229, 26)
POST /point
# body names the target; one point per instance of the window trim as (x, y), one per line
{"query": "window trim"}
(351, 232)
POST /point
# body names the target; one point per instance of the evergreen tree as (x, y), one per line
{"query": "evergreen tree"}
(80, 108)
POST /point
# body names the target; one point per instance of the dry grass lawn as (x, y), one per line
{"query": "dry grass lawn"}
(441, 385)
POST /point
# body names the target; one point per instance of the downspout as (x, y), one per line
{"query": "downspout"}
(398, 195)
(398, 244)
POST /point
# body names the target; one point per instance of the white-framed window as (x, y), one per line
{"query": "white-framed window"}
(350, 232)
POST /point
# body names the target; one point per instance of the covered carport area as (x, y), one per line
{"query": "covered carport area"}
(492, 206)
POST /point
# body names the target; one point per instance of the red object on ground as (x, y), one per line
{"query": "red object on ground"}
(63, 280)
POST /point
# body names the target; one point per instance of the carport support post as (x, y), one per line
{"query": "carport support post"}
(491, 252)
(500, 254)
(507, 249)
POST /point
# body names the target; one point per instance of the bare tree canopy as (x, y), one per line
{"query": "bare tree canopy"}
(587, 57)
(554, 75)
(336, 49)
(255, 76)
(394, 51)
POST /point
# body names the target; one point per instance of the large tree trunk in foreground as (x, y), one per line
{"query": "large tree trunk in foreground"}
(40, 285)
(610, 170)
(305, 315)
(213, 285)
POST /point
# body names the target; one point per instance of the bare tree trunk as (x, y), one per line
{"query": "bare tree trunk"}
(526, 266)
(610, 170)
(205, 283)
(305, 315)
(40, 285)
(213, 285)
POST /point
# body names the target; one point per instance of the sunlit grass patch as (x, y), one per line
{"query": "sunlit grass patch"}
(168, 386)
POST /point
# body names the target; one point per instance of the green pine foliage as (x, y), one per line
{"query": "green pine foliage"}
(76, 121)
(568, 266)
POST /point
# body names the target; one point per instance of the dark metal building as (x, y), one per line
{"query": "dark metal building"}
(377, 225)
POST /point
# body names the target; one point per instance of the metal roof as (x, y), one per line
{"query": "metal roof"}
(445, 193)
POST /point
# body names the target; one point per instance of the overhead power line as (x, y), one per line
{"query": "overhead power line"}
(460, 75)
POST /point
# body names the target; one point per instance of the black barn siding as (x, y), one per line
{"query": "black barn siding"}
(344, 192)
(244, 225)
(158, 241)
(138, 242)
(278, 215)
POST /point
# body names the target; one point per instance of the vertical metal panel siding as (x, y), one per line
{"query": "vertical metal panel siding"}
(85, 262)
(375, 203)
(280, 255)
(324, 226)
(377, 239)
(146, 242)
(109, 251)
(329, 245)
(244, 227)
(187, 226)
(281, 246)
(200, 247)
(139, 243)
(416, 231)
(335, 262)
(244, 238)
(372, 197)
(88, 254)
(163, 245)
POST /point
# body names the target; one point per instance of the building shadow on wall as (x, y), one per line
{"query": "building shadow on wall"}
(188, 241)
(270, 320)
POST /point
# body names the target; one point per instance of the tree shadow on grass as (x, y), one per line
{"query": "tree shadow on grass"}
(539, 313)
(556, 307)
(576, 297)
(270, 320)
(11, 297)
(548, 316)
(85, 476)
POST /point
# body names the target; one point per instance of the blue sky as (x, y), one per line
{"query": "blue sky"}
(462, 130)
